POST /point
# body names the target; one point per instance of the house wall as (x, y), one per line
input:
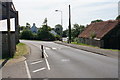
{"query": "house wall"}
(0, 45)
(5, 50)
(112, 43)
(112, 39)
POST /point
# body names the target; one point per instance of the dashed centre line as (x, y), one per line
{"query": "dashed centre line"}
(54, 48)
(47, 48)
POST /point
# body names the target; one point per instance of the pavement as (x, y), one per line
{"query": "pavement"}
(61, 62)
(95, 50)
(14, 68)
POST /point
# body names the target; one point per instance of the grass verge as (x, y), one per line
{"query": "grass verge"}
(21, 50)
(93, 46)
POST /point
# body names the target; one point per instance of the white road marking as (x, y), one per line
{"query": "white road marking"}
(36, 62)
(39, 70)
(45, 53)
(65, 60)
(47, 48)
(27, 69)
(48, 66)
(54, 48)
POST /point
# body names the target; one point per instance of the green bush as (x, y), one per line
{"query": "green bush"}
(77, 40)
(26, 34)
(45, 36)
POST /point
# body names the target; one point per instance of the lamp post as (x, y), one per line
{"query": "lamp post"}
(61, 20)
(61, 16)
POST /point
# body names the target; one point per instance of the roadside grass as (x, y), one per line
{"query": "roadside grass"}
(83, 44)
(93, 46)
(21, 50)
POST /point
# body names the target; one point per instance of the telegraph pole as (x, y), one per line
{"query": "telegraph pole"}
(69, 41)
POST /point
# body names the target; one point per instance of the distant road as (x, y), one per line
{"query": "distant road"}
(66, 62)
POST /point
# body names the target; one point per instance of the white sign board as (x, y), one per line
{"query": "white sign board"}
(3, 25)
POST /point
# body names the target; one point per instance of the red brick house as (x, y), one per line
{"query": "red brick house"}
(102, 34)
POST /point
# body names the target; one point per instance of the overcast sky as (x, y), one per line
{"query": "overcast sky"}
(82, 11)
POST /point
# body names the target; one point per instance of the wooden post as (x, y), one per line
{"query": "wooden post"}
(42, 51)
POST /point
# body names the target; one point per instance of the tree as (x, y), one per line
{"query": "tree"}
(65, 33)
(98, 20)
(22, 28)
(44, 34)
(26, 34)
(58, 29)
(118, 17)
(28, 26)
(76, 30)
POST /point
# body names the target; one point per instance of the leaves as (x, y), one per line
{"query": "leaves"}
(98, 20)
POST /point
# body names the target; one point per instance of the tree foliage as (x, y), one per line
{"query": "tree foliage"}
(58, 29)
(28, 26)
(22, 28)
(118, 17)
(98, 20)
(43, 32)
(26, 34)
(65, 33)
(76, 30)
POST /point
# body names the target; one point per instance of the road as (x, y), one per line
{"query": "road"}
(65, 62)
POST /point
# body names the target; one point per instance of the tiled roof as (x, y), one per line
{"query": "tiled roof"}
(99, 29)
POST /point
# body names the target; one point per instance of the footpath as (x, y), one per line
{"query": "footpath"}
(13, 68)
(95, 50)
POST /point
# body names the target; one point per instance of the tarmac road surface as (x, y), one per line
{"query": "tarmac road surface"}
(65, 62)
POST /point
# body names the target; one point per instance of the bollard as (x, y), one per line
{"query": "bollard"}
(42, 51)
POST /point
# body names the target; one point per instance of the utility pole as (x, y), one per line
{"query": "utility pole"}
(69, 41)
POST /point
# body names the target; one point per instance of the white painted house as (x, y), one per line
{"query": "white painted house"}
(34, 28)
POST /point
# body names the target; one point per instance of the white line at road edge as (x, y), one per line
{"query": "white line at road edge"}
(39, 69)
(48, 66)
(45, 53)
(27, 69)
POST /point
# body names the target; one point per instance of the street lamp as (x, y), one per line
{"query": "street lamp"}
(61, 20)
(61, 16)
